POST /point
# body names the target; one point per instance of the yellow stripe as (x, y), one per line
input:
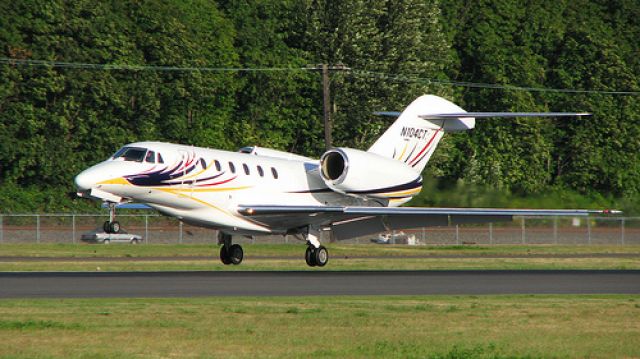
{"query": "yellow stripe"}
(211, 206)
(404, 150)
(199, 190)
(401, 193)
(118, 180)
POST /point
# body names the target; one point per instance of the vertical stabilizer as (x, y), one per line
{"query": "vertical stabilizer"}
(412, 139)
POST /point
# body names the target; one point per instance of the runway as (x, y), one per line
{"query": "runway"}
(308, 283)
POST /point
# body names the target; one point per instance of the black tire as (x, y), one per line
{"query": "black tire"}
(224, 255)
(134, 241)
(106, 241)
(114, 227)
(106, 227)
(321, 256)
(310, 256)
(235, 254)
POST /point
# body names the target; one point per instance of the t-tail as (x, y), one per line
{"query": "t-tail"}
(414, 136)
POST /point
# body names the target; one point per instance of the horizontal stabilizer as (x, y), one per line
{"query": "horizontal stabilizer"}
(445, 116)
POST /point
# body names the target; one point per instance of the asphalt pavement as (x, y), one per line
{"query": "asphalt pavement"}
(316, 282)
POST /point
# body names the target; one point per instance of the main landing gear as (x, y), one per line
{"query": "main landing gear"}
(229, 253)
(316, 254)
(111, 226)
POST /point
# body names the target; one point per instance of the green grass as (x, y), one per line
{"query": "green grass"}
(186, 250)
(333, 327)
(69, 257)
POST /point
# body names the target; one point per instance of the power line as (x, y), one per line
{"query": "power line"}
(416, 79)
(356, 73)
(89, 66)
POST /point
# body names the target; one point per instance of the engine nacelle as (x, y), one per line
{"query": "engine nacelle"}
(366, 174)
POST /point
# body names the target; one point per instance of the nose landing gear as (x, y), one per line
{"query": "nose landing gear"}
(111, 226)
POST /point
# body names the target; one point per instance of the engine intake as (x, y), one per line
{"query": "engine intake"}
(334, 165)
(366, 174)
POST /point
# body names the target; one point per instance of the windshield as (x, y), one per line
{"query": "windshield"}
(136, 154)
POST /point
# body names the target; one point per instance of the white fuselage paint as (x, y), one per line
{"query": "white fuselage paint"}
(209, 196)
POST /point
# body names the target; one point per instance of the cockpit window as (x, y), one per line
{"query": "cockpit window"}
(151, 157)
(136, 154)
(160, 160)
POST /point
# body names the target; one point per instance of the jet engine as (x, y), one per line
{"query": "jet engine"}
(361, 173)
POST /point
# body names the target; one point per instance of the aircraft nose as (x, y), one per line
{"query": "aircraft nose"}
(84, 181)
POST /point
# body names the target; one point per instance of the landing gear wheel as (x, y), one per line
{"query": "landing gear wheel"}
(235, 254)
(321, 256)
(310, 256)
(224, 255)
(114, 227)
(105, 226)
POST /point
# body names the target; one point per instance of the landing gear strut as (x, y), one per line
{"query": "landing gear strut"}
(316, 254)
(111, 226)
(229, 253)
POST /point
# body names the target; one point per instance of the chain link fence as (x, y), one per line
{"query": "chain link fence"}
(68, 228)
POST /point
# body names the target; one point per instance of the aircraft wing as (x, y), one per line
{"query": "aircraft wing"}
(350, 222)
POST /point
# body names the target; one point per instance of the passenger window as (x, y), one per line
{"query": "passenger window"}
(203, 163)
(274, 173)
(218, 167)
(160, 160)
(232, 167)
(260, 171)
(151, 157)
(246, 168)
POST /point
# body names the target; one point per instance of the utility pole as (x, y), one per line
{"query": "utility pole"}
(326, 106)
(326, 97)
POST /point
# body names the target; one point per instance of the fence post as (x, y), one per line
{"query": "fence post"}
(146, 229)
(490, 233)
(555, 230)
(522, 225)
(180, 241)
(73, 228)
(1, 229)
(37, 228)
(457, 235)
(588, 231)
(621, 230)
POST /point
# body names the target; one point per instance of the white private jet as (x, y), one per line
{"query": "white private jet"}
(259, 191)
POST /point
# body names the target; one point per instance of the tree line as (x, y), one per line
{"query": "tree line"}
(227, 74)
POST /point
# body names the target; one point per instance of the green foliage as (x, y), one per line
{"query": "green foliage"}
(56, 121)
(584, 45)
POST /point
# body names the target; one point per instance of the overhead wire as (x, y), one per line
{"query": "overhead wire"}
(352, 72)
(417, 79)
(90, 66)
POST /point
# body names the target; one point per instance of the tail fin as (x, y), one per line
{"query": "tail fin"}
(412, 139)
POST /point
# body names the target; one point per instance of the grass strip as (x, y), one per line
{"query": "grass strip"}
(595, 326)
